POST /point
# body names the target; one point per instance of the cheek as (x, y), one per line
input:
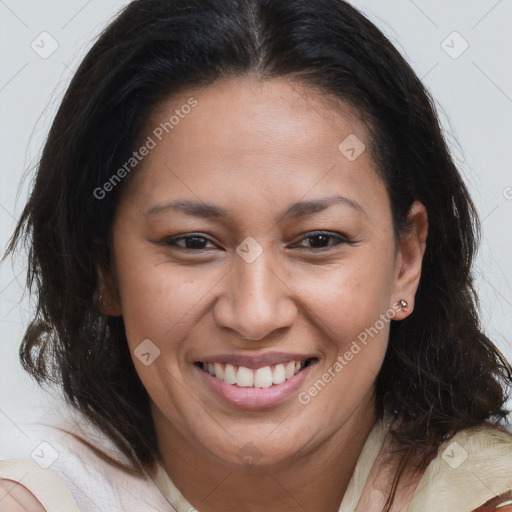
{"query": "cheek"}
(157, 296)
(353, 322)
(349, 299)
(350, 309)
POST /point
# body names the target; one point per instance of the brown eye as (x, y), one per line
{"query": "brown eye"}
(190, 242)
(324, 240)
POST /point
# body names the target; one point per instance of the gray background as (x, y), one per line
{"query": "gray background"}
(473, 90)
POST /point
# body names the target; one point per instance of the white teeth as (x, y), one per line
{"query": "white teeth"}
(279, 374)
(263, 377)
(290, 369)
(219, 372)
(245, 377)
(230, 374)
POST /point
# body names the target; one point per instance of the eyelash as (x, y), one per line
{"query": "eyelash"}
(172, 242)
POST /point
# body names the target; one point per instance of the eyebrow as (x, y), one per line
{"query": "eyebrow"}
(295, 211)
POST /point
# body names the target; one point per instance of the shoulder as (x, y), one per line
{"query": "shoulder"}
(27, 483)
(57, 452)
(472, 470)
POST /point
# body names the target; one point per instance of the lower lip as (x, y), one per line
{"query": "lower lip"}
(255, 398)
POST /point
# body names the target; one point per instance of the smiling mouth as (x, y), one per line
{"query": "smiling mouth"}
(263, 377)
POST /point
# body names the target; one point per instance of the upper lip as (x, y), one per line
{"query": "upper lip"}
(256, 361)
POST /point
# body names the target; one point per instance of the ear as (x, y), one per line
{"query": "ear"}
(106, 296)
(409, 258)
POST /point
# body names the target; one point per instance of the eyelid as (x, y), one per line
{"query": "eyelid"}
(171, 240)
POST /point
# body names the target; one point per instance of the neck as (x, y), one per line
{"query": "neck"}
(314, 480)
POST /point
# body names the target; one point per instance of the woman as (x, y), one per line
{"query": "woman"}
(252, 252)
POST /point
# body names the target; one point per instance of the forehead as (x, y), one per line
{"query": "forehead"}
(248, 116)
(276, 138)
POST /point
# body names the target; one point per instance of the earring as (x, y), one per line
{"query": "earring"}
(402, 303)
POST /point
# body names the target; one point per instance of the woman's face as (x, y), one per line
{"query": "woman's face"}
(218, 259)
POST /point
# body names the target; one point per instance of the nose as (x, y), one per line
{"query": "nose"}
(256, 300)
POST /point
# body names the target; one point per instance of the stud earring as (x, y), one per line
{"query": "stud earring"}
(402, 303)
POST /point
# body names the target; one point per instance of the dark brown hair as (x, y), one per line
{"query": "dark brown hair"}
(441, 373)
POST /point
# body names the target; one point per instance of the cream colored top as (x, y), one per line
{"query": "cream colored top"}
(471, 468)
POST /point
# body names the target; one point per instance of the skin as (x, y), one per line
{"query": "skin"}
(255, 148)
(15, 497)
